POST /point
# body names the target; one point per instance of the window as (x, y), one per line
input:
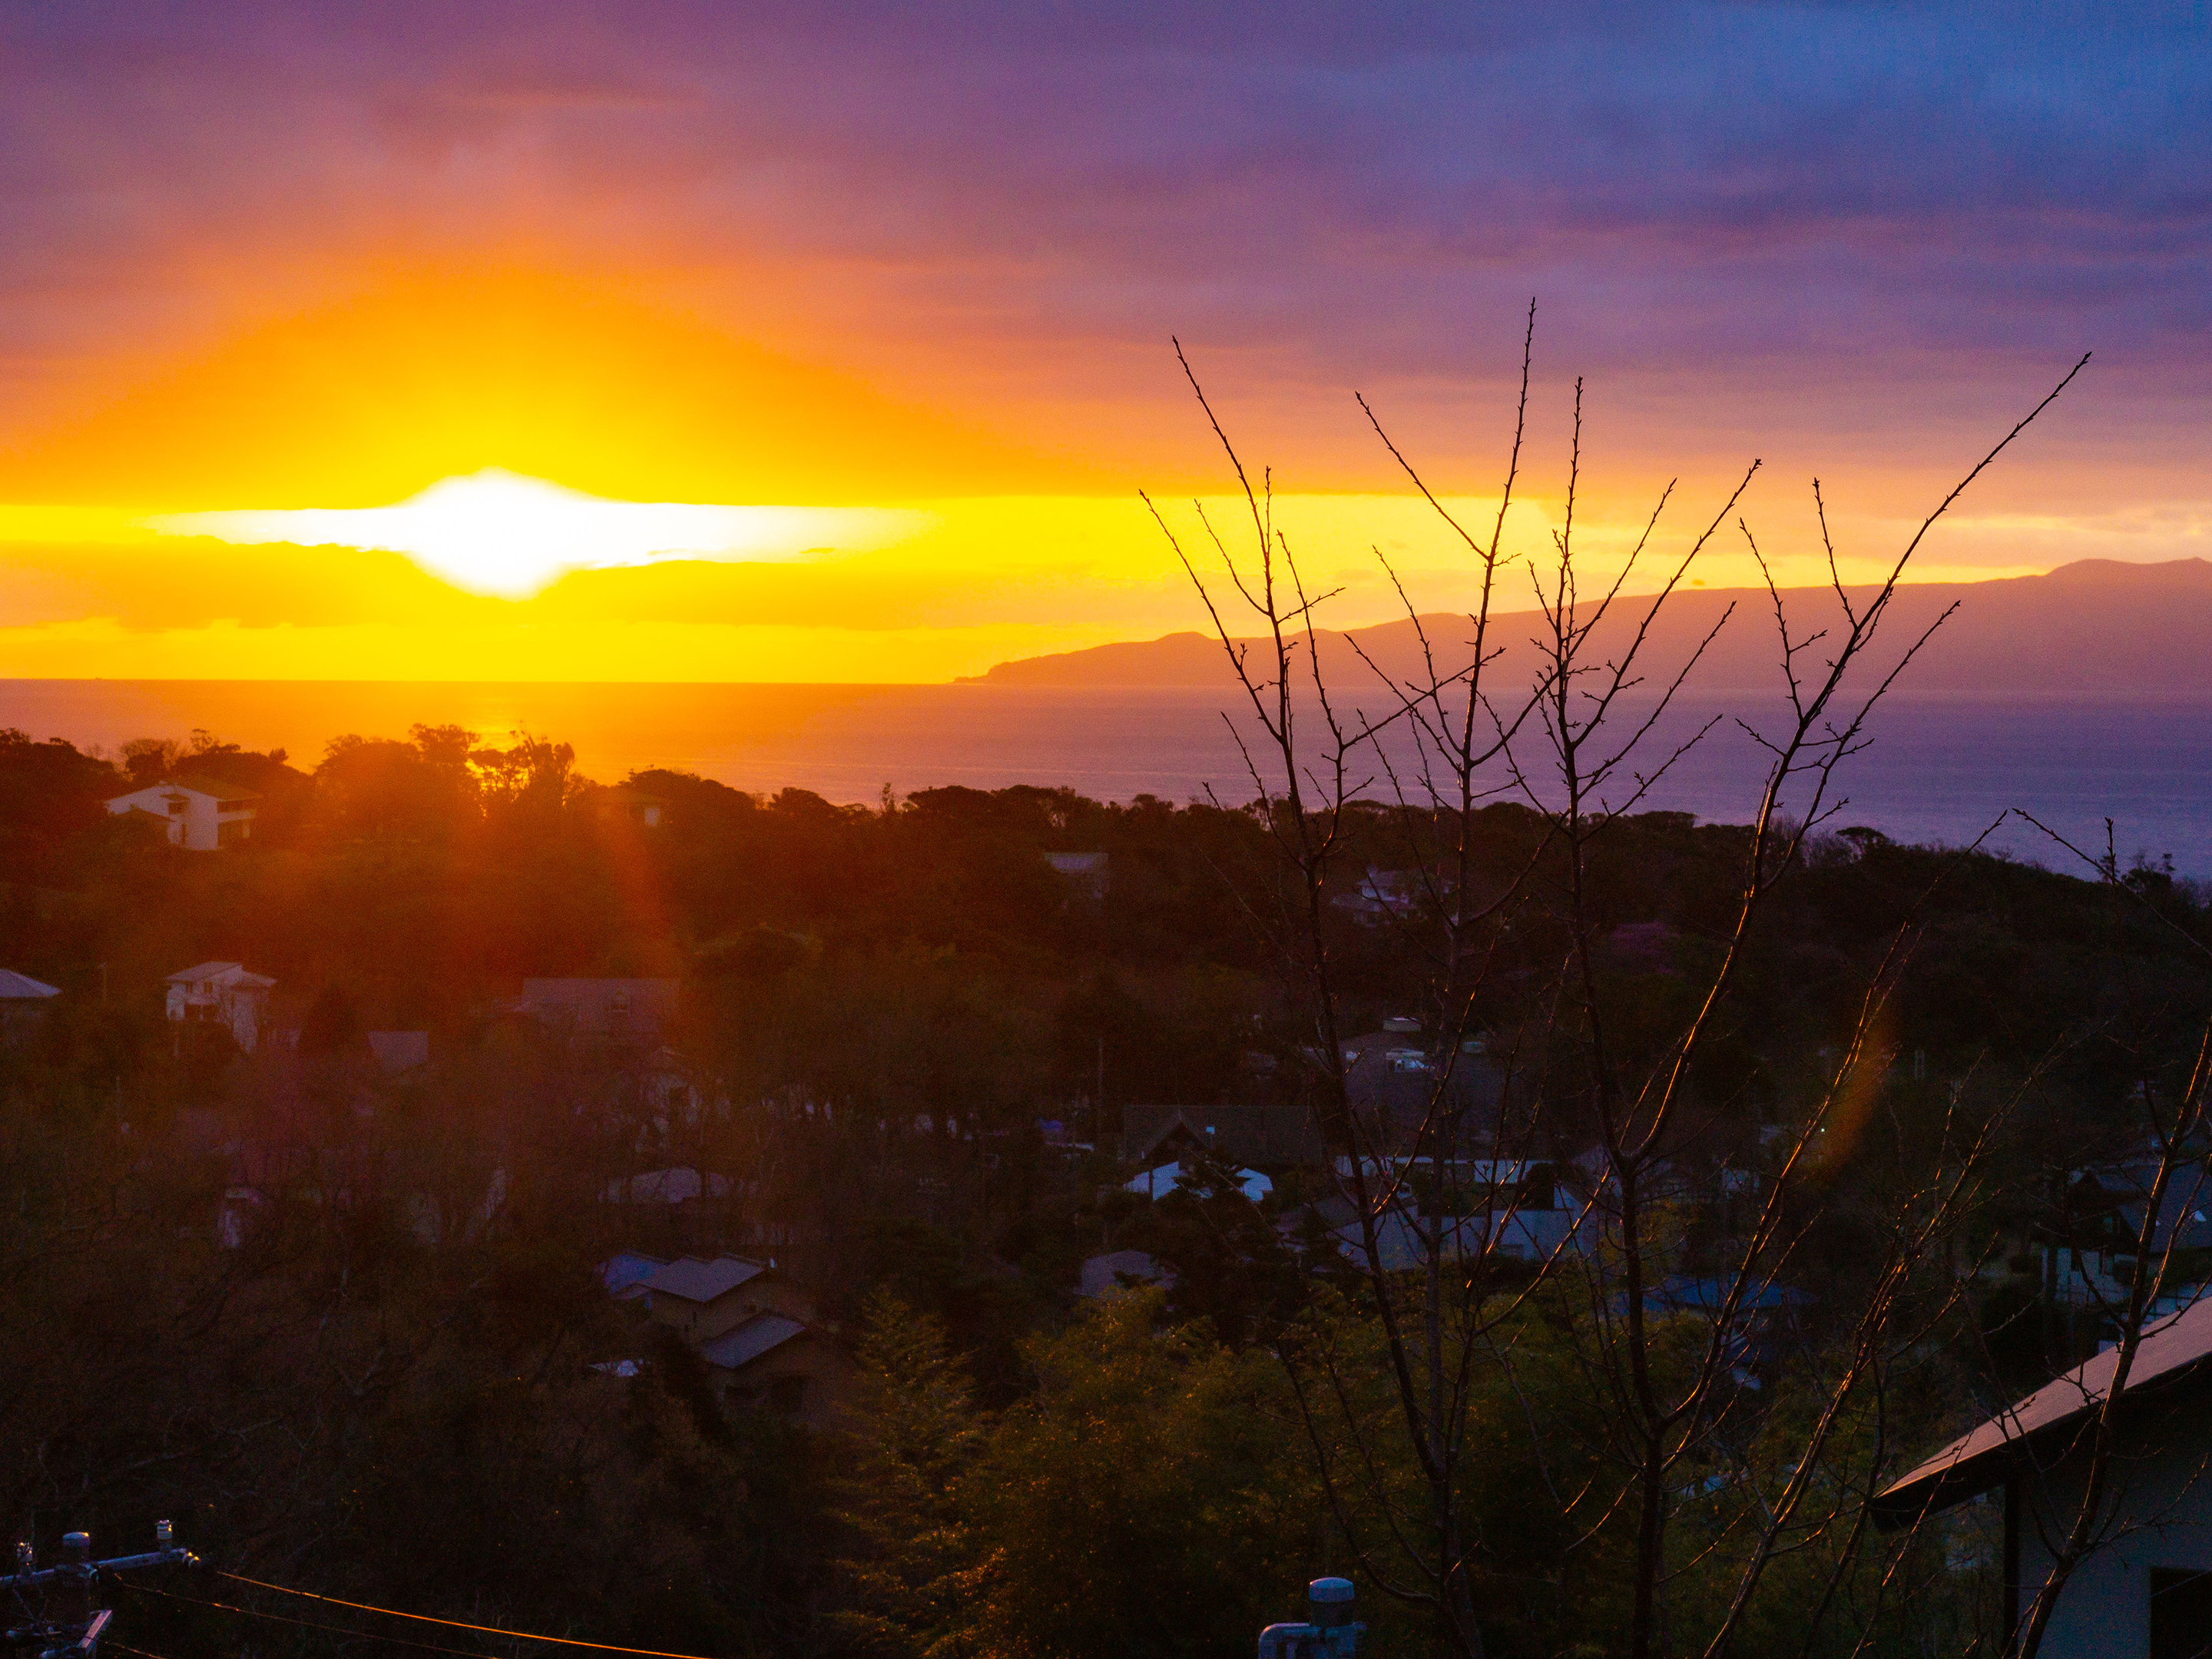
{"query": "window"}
(2180, 1614)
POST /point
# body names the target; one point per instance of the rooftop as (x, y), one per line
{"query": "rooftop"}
(735, 1349)
(695, 1280)
(215, 788)
(627, 1267)
(226, 973)
(2172, 1349)
(208, 786)
(21, 987)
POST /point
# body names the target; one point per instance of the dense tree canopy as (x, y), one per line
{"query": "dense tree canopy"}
(879, 1007)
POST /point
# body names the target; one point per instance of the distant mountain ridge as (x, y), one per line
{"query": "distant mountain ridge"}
(2098, 625)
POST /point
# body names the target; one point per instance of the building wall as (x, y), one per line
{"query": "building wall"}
(2163, 1471)
(205, 825)
(21, 1019)
(810, 1378)
(243, 1008)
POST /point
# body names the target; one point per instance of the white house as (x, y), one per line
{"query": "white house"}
(2145, 1591)
(222, 991)
(200, 814)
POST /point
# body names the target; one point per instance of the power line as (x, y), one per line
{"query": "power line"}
(304, 1624)
(456, 1624)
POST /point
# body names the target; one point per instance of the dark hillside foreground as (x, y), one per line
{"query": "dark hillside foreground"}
(340, 1305)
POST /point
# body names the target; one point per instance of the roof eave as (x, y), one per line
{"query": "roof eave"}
(1918, 1496)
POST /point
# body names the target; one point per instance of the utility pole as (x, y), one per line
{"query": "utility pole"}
(64, 1624)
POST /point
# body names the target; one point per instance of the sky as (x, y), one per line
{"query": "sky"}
(336, 339)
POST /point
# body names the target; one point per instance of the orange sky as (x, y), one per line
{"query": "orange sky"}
(999, 547)
(924, 277)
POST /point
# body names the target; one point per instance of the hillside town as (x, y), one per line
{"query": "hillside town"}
(823, 1171)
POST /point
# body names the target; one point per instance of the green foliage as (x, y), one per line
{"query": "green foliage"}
(389, 1385)
(920, 1573)
(1151, 1496)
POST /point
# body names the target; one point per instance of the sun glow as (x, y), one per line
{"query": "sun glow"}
(500, 533)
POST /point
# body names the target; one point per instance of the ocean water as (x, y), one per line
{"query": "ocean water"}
(1939, 767)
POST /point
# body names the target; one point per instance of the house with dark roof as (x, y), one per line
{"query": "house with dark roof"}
(24, 1004)
(1270, 1135)
(753, 1326)
(2088, 1251)
(775, 1363)
(701, 1297)
(201, 815)
(2145, 1591)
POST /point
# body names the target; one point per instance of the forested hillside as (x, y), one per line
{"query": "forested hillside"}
(902, 1042)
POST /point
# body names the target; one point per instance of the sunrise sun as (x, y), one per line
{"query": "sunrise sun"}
(498, 533)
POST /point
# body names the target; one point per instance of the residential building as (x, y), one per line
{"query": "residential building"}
(2087, 1253)
(1397, 1081)
(608, 1011)
(627, 1267)
(701, 1298)
(1274, 1135)
(2145, 1592)
(1765, 1318)
(225, 993)
(1383, 896)
(646, 810)
(1160, 1181)
(1455, 1215)
(1120, 1270)
(1089, 874)
(198, 814)
(24, 1004)
(782, 1365)
(754, 1327)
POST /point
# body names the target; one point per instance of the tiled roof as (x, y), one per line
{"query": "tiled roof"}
(18, 987)
(222, 792)
(627, 1267)
(735, 1349)
(226, 973)
(2170, 1348)
(698, 1280)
